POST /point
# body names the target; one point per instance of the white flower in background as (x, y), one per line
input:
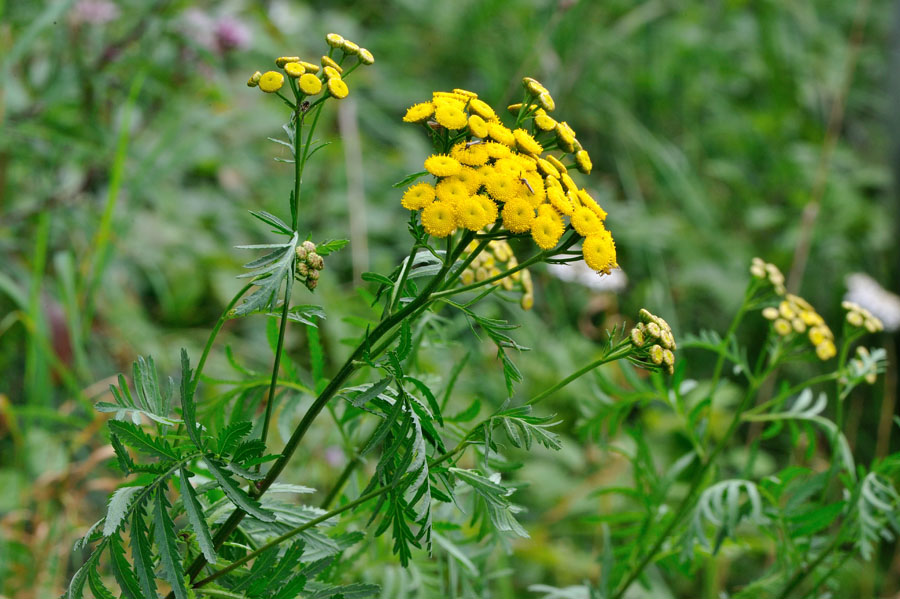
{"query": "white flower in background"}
(865, 291)
(579, 272)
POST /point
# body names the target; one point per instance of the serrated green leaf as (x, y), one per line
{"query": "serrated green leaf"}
(194, 512)
(329, 247)
(135, 437)
(142, 554)
(164, 534)
(235, 494)
(75, 590)
(117, 508)
(247, 450)
(304, 314)
(429, 397)
(271, 219)
(188, 408)
(122, 570)
(268, 278)
(126, 464)
(371, 392)
(231, 435)
(405, 346)
(409, 178)
(97, 587)
(357, 590)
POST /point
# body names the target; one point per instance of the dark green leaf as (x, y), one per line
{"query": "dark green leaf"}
(329, 247)
(135, 437)
(231, 435)
(142, 554)
(373, 391)
(194, 512)
(122, 570)
(409, 179)
(97, 587)
(405, 346)
(235, 494)
(188, 408)
(169, 558)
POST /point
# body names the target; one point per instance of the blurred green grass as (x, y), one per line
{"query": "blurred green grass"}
(705, 122)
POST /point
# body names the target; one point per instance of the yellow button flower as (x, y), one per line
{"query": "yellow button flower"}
(417, 196)
(271, 82)
(583, 162)
(328, 62)
(441, 165)
(518, 215)
(283, 60)
(546, 232)
(294, 69)
(418, 113)
(337, 88)
(586, 222)
(439, 219)
(482, 109)
(478, 126)
(599, 251)
(451, 190)
(366, 57)
(470, 214)
(309, 84)
(450, 116)
(501, 134)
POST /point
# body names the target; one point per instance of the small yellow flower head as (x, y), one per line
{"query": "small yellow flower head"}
(518, 215)
(546, 232)
(559, 165)
(547, 168)
(418, 113)
(785, 309)
(439, 219)
(656, 354)
(818, 334)
(826, 350)
(599, 251)
(501, 134)
(332, 73)
(528, 301)
(470, 214)
(337, 88)
(874, 325)
(464, 92)
(471, 178)
(514, 108)
(798, 325)
(667, 338)
(309, 84)
(526, 142)
(501, 186)
(328, 62)
(418, 196)
(668, 357)
(271, 82)
(565, 139)
(451, 190)
(494, 149)
(253, 81)
(588, 202)
(586, 222)
(559, 200)
(441, 165)
(544, 121)
(783, 327)
(334, 40)
(548, 211)
(478, 126)
(855, 319)
(568, 183)
(366, 57)
(546, 101)
(310, 66)
(482, 109)
(637, 337)
(583, 162)
(350, 47)
(283, 60)
(533, 86)
(534, 190)
(653, 330)
(294, 69)
(450, 116)
(469, 153)
(490, 208)
(770, 313)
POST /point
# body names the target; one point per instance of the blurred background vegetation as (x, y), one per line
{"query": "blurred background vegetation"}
(130, 151)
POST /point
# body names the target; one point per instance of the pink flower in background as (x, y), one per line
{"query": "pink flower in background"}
(217, 34)
(94, 12)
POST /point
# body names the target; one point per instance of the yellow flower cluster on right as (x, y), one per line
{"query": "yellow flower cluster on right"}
(794, 315)
(492, 173)
(307, 78)
(653, 340)
(498, 257)
(859, 317)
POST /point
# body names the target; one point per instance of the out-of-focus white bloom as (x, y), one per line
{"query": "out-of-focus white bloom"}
(581, 273)
(865, 291)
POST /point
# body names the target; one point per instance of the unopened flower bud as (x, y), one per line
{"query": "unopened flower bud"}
(656, 354)
(653, 330)
(668, 357)
(637, 338)
(311, 283)
(783, 327)
(313, 274)
(309, 246)
(334, 40)
(350, 47)
(253, 81)
(315, 261)
(283, 60)
(366, 57)
(301, 253)
(302, 269)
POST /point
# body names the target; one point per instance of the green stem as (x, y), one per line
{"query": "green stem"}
(619, 351)
(341, 481)
(279, 349)
(213, 334)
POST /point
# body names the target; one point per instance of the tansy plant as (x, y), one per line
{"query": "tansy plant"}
(206, 510)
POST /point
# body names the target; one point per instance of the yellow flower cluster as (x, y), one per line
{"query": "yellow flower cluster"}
(498, 257)
(860, 318)
(763, 270)
(652, 339)
(493, 172)
(307, 78)
(794, 315)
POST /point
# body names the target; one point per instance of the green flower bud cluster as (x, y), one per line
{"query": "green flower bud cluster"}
(653, 341)
(861, 318)
(309, 264)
